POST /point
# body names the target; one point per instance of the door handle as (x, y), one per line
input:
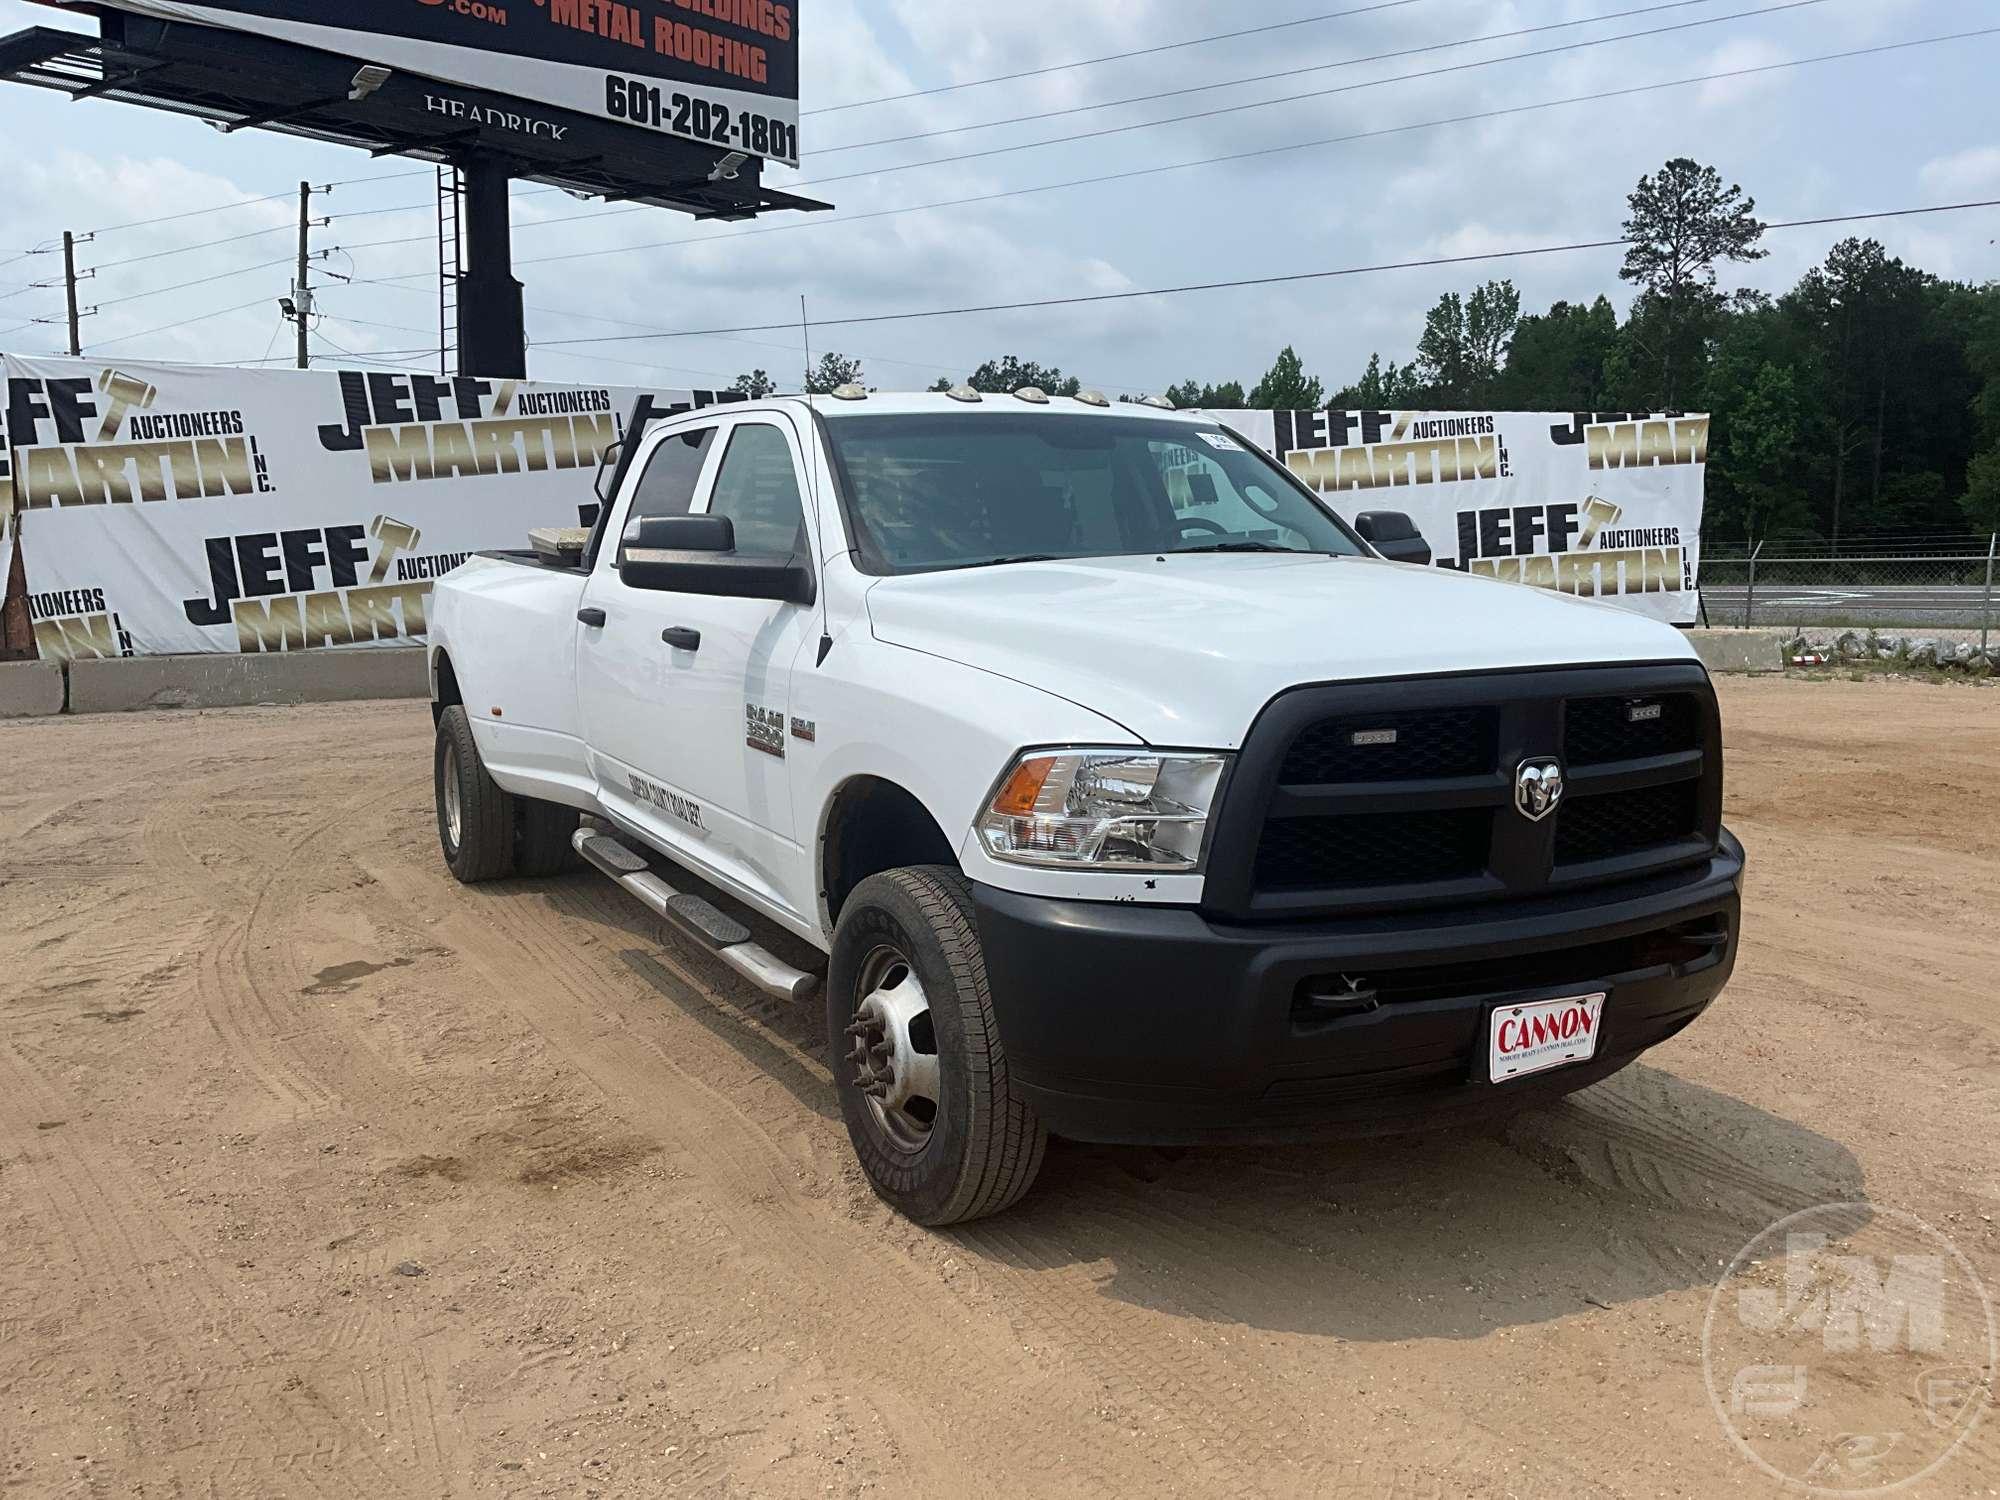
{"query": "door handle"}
(593, 617)
(681, 638)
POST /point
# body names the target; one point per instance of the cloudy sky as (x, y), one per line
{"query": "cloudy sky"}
(1888, 130)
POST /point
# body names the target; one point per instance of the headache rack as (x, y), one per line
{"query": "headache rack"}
(1396, 794)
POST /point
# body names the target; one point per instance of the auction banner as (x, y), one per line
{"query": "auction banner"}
(176, 508)
(1603, 505)
(722, 72)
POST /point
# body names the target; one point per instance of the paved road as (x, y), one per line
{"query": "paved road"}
(1792, 604)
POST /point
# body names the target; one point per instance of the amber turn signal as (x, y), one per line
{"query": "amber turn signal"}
(1017, 798)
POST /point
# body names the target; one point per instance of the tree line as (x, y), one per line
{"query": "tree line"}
(1864, 400)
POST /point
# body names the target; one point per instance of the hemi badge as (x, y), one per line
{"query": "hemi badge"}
(1643, 713)
(1372, 737)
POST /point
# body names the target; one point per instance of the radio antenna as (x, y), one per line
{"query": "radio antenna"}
(812, 480)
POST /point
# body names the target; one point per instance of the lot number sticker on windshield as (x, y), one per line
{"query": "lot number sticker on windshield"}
(1220, 440)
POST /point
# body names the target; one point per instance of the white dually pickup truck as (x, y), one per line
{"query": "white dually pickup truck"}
(1131, 794)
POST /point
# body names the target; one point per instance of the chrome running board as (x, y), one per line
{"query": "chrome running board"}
(699, 920)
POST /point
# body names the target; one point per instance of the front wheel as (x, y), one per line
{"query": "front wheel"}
(916, 1055)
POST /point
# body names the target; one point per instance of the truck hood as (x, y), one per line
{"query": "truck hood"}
(1187, 650)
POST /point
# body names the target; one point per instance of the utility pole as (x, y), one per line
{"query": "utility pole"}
(301, 291)
(69, 288)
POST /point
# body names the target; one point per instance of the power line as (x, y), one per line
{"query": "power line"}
(1200, 115)
(933, 365)
(1430, 262)
(181, 286)
(234, 239)
(221, 312)
(1204, 88)
(367, 323)
(1345, 88)
(217, 208)
(410, 208)
(1252, 281)
(1133, 173)
(1091, 62)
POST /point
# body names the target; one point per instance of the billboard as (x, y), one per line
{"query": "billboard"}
(723, 73)
(172, 508)
(179, 508)
(1604, 505)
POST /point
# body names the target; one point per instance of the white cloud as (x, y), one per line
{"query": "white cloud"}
(1972, 173)
(1738, 57)
(1869, 133)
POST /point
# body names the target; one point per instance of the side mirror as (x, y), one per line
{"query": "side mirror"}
(1394, 535)
(608, 464)
(697, 555)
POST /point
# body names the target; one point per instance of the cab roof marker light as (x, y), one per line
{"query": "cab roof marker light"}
(1092, 398)
(849, 392)
(1160, 403)
(964, 393)
(1034, 395)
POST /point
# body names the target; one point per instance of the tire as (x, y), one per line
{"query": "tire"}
(475, 818)
(982, 1145)
(542, 834)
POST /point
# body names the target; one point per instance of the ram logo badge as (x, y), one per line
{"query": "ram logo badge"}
(1538, 787)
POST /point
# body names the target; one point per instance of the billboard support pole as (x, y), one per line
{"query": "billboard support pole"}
(492, 332)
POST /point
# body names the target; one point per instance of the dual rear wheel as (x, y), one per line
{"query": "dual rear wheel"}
(485, 831)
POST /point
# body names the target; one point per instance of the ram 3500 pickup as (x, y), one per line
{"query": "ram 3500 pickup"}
(1130, 793)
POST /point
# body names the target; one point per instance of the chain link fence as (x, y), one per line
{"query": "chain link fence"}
(1943, 588)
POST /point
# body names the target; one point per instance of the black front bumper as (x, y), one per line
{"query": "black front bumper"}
(1127, 1023)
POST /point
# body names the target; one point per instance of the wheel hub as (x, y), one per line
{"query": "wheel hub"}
(453, 817)
(892, 1051)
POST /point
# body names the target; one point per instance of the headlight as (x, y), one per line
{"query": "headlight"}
(1104, 809)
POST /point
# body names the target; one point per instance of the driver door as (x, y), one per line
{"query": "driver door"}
(686, 697)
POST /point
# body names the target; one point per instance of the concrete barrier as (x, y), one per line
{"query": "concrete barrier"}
(122, 684)
(1742, 650)
(30, 689)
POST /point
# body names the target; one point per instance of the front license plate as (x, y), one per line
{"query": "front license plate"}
(1537, 1035)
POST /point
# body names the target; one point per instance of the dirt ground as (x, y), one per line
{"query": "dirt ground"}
(323, 1176)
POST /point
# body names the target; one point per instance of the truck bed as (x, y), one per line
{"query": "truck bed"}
(531, 559)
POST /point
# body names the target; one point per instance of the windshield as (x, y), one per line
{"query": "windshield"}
(947, 490)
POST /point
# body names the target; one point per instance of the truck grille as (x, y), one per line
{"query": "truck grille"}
(1392, 747)
(1384, 849)
(1619, 822)
(1391, 794)
(1596, 730)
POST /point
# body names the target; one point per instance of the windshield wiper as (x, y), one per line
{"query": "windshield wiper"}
(1236, 547)
(1023, 557)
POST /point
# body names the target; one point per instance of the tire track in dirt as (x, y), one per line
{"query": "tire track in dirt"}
(1213, 1356)
(1197, 1401)
(304, 1067)
(1057, 1308)
(1400, 1322)
(1105, 1345)
(169, 1314)
(284, 1047)
(584, 1005)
